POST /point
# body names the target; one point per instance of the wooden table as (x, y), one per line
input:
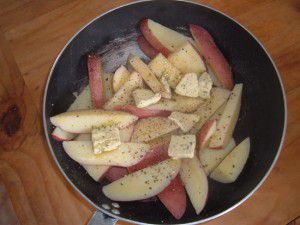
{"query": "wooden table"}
(33, 32)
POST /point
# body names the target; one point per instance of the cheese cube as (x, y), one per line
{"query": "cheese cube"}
(145, 97)
(105, 138)
(188, 86)
(161, 66)
(166, 85)
(184, 120)
(182, 146)
(205, 85)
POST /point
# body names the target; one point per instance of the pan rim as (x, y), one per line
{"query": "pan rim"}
(201, 220)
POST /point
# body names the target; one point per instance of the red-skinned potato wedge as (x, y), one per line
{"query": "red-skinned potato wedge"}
(143, 113)
(60, 135)
(163, 39)
(174, 198)
(213, 55)
(156, 154)
(207, 130)
(143, 184)
(195, 181)
(150, 37)
(95, 80)
(146, 47)
(115, 173)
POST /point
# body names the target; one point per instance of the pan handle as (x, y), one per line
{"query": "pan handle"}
(100, 218)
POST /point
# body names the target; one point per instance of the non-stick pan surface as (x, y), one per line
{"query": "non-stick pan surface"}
(262, 115)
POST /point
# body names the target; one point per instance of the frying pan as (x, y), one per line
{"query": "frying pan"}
(262, 117)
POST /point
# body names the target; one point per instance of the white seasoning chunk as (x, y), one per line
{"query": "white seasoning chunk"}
(205, 85)
(105, 138)
(182, 146)
(145, 97)
(184, 120)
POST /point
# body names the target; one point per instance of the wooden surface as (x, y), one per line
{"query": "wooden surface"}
(33, 32)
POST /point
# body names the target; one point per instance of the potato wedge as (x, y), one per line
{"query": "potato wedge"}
(82, 121)
(187, 59)
(161, 67)
(206, 110)
(96, 172)
(195, 182)
(143, 183)
(124, 95)
(151, 128)
(231, 167)
(148, 76)
(228, 119)
(211, 158)
(127, 154)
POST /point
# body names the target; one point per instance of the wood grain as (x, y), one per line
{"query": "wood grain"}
(31, 35)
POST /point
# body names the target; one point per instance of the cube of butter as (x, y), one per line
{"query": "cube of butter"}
(205, 85)
(182, 146)
(188, 85)
(105, 138)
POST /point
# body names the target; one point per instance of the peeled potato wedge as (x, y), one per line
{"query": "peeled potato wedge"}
(187, 59)
(127, 154)
(97, 172)
(211, 158)
(228, 119)
(178, 103)
(151, 128)
(82, 101)
(82, 121)
(231, 167)
(195, 182)
(107, 80)
(143, 183)
(83, 137)
(124, 95)
(206, 110)
(126, 133)
(120, 77)
(161, 67)
(147, 75)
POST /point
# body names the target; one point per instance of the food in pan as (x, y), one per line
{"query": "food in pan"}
(158, 128)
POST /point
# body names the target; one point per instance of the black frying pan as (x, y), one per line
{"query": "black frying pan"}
(262, 117)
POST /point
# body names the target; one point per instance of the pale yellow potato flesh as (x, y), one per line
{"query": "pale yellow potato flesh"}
(143, 183)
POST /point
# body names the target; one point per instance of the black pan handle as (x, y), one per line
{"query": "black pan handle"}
(100, 218)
